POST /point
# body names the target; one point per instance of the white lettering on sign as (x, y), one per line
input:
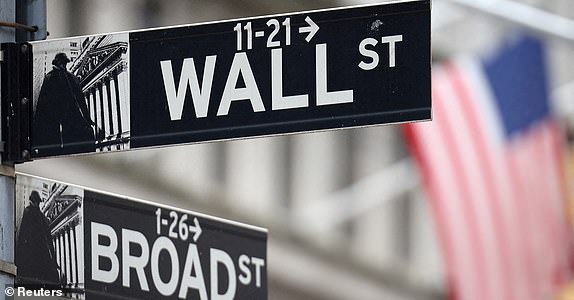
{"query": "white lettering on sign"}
(199, 95)
(250, 92)
(312, 29)
(278, 101)
(137, 263)
(104, 244)
(391, 40)
(244, 266)
(219, 257)
(373, 55)
(109, 252)
(196, 282)
(164, 244)
(241, 66)
(323, 96)
(275, 29)
(178, 229)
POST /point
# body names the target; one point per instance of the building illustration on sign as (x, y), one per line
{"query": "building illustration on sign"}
(102, 70)
(49, 235)
(81, 95)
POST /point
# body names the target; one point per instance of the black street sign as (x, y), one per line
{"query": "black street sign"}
(326, 69)
(85, 244)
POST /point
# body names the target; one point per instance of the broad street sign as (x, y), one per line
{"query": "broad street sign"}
(298, 72)
(86, 244)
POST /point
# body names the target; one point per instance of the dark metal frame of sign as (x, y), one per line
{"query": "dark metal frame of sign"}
(16, 113)
(85, 244)
(288, 73)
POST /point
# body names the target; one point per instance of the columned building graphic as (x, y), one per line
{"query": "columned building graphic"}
(63, 209)
(102, 70)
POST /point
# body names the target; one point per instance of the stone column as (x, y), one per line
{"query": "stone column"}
(62, 254)
(100, 88)
(73, 234)
(93, 107)
(110, 107)
(118, 102)
(68, 255)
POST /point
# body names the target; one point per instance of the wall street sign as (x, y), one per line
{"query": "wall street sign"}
(86, 244)
(297, 72)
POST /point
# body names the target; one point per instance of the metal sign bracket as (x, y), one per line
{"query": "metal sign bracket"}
(16, 96)
(7, 268)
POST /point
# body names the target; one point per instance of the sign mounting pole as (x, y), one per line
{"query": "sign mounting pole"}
(13, 13)
(7, 180)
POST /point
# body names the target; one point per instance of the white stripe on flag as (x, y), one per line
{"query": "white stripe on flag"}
(472, 177)
(543, 205)
(554, 200)
(435, 152)
(525, 151)
(491, 139)
(488, 157)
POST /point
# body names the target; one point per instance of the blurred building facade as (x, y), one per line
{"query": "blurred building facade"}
(346, 214)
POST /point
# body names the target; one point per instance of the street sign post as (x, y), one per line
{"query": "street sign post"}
(86, 244)
(298, 72)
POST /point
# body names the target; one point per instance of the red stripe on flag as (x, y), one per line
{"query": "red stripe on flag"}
(470, 176)
(440, 218)
(555, 152)
(439, 139)
(547, 198)
(522, 205)
(480, 142)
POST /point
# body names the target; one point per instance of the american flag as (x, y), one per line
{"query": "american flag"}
(492, 166)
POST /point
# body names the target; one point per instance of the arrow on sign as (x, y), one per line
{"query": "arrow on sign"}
(311, 29)
(195, 229)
